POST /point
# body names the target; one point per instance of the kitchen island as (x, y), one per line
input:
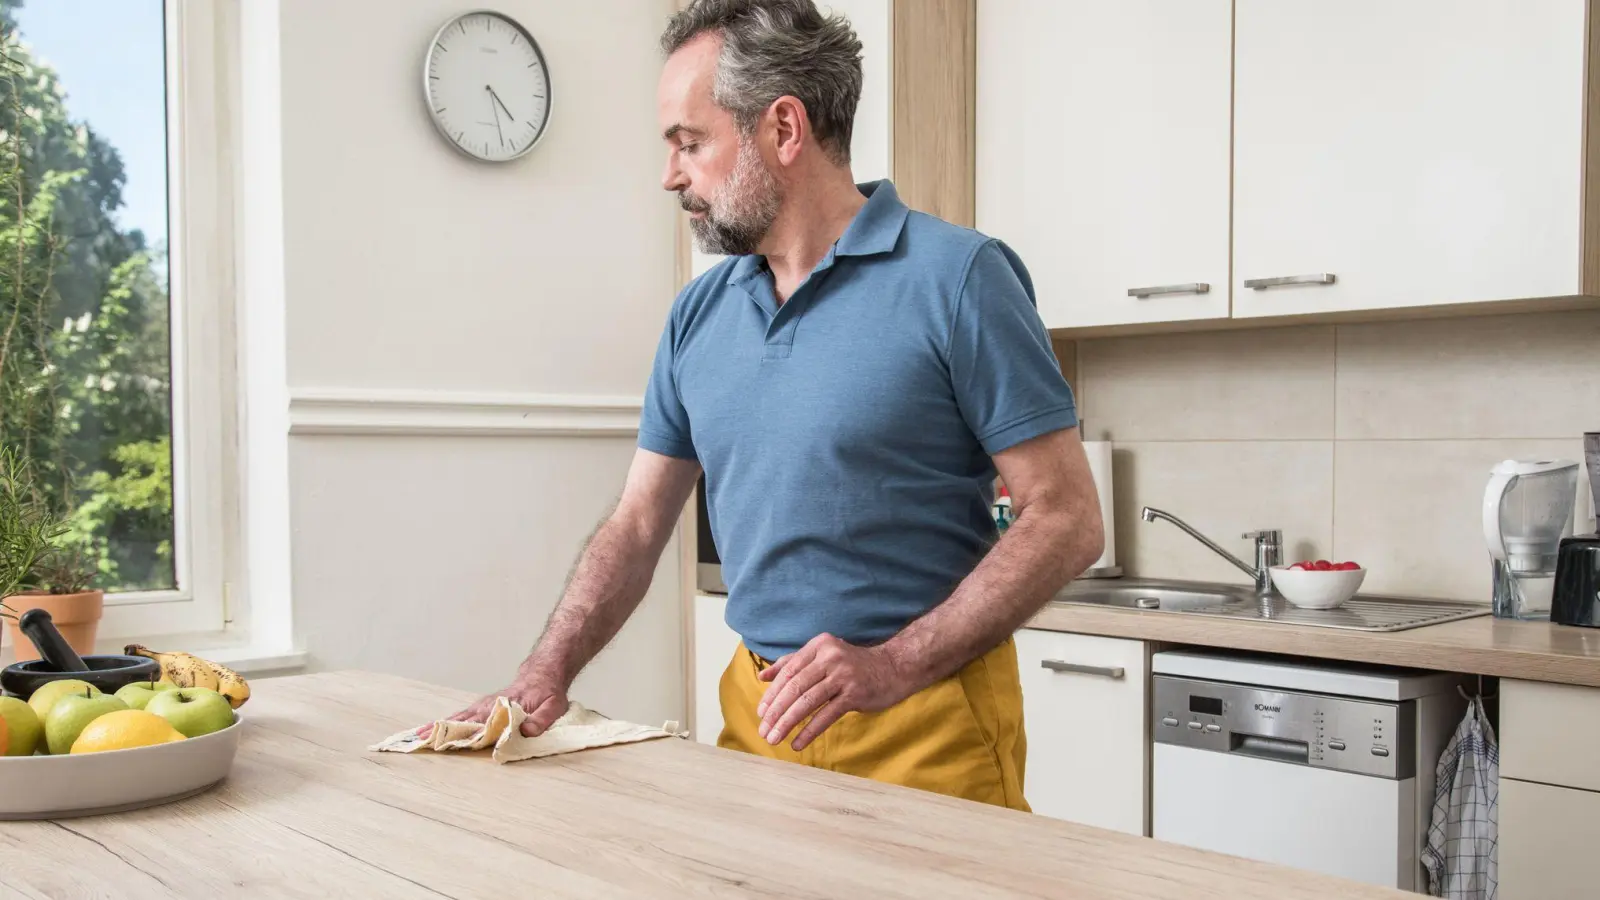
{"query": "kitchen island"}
(309, 812)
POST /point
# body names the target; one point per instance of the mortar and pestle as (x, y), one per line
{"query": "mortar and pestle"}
(57, 660)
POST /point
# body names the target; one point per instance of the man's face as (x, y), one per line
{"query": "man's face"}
(719, 174)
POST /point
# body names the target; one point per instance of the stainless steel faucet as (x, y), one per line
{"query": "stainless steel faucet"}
(1269, 548)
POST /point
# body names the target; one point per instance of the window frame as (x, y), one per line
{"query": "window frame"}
(201, 80)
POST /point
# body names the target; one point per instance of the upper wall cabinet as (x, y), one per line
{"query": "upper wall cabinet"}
(1102, 153)
(1419, 153)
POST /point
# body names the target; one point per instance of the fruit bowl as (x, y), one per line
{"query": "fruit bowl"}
(1317, 589)
(84, 784)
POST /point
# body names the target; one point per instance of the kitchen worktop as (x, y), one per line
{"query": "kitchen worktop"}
(308, 811)
(1535, 651)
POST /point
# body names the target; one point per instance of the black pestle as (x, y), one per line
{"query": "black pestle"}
(53, 648)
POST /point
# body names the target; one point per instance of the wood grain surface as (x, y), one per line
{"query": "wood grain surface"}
(1535, 651)
(933, 120)
(308, 812)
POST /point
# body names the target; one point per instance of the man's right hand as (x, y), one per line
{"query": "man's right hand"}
(543, 697)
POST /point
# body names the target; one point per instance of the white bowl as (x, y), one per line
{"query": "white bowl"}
(82, 784)
(1310, 589)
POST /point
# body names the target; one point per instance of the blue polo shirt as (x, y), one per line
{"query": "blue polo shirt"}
(846, 434)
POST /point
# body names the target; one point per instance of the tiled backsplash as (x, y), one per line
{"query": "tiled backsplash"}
(1365, 442)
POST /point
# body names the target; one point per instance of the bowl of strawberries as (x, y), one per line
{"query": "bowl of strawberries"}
(1318, 584)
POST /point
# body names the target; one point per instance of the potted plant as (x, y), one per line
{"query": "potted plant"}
(62, 582)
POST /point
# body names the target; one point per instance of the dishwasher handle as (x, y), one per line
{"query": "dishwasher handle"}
(1263, 747)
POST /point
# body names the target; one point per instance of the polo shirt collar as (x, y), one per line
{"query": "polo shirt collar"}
(877, 226)
(875, 229)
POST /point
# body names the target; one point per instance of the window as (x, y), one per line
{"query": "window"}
(116, 377)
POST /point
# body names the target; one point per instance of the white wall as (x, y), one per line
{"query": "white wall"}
(416, 275)
(870, 151)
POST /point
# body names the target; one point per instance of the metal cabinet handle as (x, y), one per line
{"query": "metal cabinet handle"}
(1197, 287)
(1257, 284)
(1059, 665)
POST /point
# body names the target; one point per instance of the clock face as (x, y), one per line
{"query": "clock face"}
(487, 86)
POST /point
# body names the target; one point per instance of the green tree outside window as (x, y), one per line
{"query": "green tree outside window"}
(85, 342)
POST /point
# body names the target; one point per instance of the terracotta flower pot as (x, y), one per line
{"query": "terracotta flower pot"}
(76, 616)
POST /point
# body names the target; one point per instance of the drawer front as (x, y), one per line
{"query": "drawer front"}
(1083, 701)
(1547, 847)
(1550, 733)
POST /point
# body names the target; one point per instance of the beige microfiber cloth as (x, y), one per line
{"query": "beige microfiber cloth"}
(579, 728)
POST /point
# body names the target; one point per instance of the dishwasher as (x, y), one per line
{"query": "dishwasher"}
(1317, 765)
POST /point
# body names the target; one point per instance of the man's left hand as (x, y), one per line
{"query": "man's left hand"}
(825, 679)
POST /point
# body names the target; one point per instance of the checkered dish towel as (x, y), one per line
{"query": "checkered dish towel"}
(1460, 855)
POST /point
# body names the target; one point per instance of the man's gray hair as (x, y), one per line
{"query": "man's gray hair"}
(774, 48)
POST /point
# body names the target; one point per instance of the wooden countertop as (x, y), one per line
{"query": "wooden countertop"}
(1535, 651)
(308, 811)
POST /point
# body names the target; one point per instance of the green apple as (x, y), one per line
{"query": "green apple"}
(46, 696)
(193, 711)
(22, 725)
(72, 714)
(140, 693)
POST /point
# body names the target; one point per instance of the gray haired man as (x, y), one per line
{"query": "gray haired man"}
(850, 381)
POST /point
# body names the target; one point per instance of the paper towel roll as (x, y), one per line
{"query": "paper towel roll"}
(1099, 453)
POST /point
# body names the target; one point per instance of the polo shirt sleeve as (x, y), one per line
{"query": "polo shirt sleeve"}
(663, 422)
(1006, 378)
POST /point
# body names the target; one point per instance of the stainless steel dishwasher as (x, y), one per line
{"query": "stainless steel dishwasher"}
(1317, 765)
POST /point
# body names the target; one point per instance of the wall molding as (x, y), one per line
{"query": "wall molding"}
(401, 413)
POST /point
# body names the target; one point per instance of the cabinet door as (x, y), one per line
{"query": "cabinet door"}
(1422, 153)
(1546, 732)
(1083, 705)
(1546, 845)
(714, 643)
(1102, 153)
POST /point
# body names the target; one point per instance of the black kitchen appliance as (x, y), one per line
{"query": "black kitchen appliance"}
(1576, 596)
(708, 571)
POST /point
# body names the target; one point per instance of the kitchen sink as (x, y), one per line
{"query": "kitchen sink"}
(1152, 594)
(1360, 613)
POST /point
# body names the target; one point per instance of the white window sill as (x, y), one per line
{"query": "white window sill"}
(249, 660)
(246, 659)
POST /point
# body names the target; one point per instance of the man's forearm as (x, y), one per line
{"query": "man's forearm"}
(610, 578)
(1042, 550)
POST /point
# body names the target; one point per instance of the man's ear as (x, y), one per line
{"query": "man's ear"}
(790, 128)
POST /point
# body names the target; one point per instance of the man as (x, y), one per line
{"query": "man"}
(851, 380)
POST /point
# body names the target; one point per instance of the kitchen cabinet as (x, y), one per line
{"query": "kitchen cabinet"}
(1549, 789)
(1298, 157)
(1420, 153)
(1102, 153)
(714, 644)
(1083, 705)
(1546, 841)
(1549, 733)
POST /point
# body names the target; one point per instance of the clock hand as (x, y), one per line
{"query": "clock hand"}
(502, 105)
(496, 115)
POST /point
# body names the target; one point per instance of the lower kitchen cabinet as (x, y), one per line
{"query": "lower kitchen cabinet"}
(1547, 840)
(1083, 702)
(1549, 790)
(714, 643)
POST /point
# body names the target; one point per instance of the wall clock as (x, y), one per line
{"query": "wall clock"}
(487, 86)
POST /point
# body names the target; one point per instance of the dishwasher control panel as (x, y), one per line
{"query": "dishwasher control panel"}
(1368, 737)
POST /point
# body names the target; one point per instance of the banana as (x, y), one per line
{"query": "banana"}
(182, 669)
(232, 685)
(188, 670)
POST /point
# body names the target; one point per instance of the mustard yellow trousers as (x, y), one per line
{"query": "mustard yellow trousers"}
(962, 737)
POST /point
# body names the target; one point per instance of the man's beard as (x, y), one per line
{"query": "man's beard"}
(740, 214)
